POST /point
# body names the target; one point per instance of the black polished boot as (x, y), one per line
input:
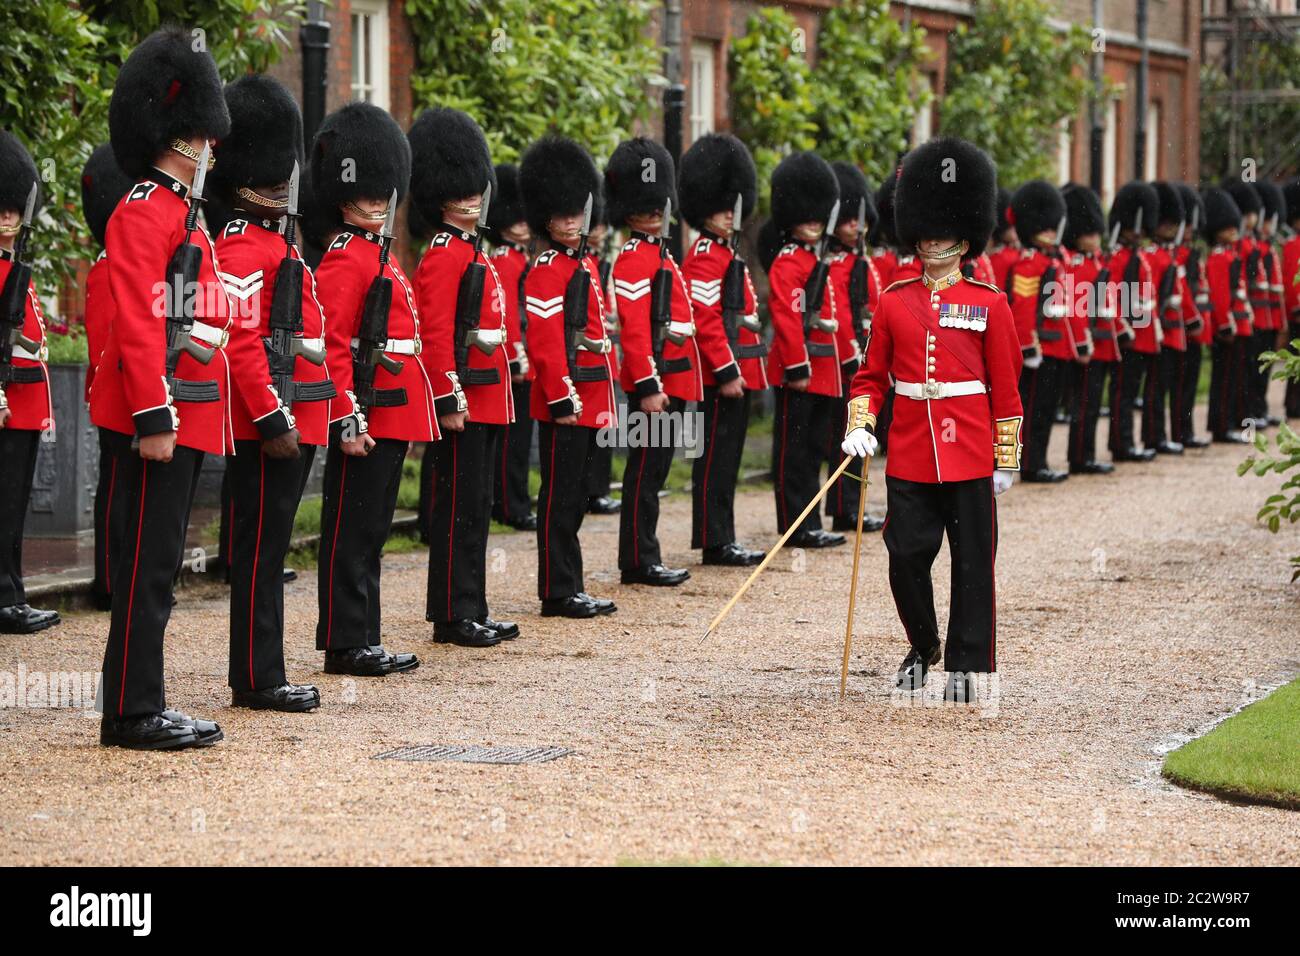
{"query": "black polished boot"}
(506, 630)
(817, 538)
(603, 505)
(21, 619)
(656, 575)
(287, 698)
(845, 523)
(915, 669)
(148, 732)
(732, 556)
(466, 633)
(368, 662)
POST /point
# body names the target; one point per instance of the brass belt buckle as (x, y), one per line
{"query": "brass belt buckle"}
(930, 389)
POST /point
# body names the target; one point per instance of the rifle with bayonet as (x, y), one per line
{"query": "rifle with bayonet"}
(814, 289)
(285, 343)
(577, 298)
(182, 296)
(13, 307)
(733, 281)
(1124, 335)
(372, 334)
(1169, 301)
(661, 294)
(860, 283)
(1193, 270)
(469, 306)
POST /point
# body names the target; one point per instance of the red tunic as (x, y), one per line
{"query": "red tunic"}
(1229, 304)
(1079, 278)
(1172, 311)
(841, 274)
(30, 407)
(793, 356)
(251, 252)
(1271, 267)
(99, 316)
(634, 273)
(704, 271)
(1290, 275)
(1198, 305)
(885, 262)
(342, 280)
(1002, 258)
(437, 284)
(511, 263)
(915, 342)
(130, 394)
(906, 267)
(554, 390)
(1136, 304)
(1053, 334)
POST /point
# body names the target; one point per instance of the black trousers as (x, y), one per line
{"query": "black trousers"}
(226, 528)
(1087, 383)
(510, 498)
(360, 496)
(648, 464)
(714, 472)
(842, 501)
(1040, 394)
(600, 466)
(462, 516)
(919, 515)
(563, 451)
(18, 447)
(157, 504)
(1125, 386)
(799, 429)
(882, 425)
(1227, 363)
(424, 507)
(1182, 395)
(110, 512)
(264, 495)
(1158, 375)
(1261, 341)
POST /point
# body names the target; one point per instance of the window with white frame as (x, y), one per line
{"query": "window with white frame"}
(1152, 170)
(1064, 149)
(923, 121)
(702, 68)
(1108, 151)
(370, 51)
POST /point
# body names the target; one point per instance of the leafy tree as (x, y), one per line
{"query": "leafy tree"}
(866, 95)
(1011, 79)
(1270, 63)
(1284, 506)
(772, 105)
(524, 68)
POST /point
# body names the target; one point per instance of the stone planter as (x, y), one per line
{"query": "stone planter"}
(67, 468)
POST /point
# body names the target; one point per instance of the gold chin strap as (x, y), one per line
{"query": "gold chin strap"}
(11, 230)
(461, 210)
(259, 200)
(368, 216)
(189, 152)
(957, 249)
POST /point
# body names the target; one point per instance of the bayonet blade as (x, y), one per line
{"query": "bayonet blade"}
(738, 213)
(862, 214)
(293, 190)
(665, 227)
(833, 219)
(1196, 219)
(484, 203)
(586, 214)
(1182, 228)
(1114, 234)
(201, 173)
(390, 216)
(1137, 222)
(1060, 231)
(30, 209)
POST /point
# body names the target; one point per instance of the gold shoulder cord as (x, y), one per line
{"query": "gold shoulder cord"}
(860, 414)
(1007, 447)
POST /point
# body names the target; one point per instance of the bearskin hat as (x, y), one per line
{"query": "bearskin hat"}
(948, 187)
(1221, 212)
(317, 222)
(804, 189)
(556, 176)
(1004, 206)
(1083, 215)
(1171, 203)
(882, 229)
(449, 161)
(1037, 206)
(1193, 207)
(770, 241)
(17, 174)
(1291, 196)
(265, 137)
(165, 90)
(507, 207)
(360, 153)
(103, 184)
(1131, 197)
(853, 189)
(1244, 195)
(1270, 194)
(639, 179)
(714, 170)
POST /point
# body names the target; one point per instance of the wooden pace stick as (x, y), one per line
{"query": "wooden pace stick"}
(794, 526)
(853, 583)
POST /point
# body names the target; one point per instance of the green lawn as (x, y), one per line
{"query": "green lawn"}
(1253, 755)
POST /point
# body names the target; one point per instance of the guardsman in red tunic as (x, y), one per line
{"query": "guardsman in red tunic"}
(804, 362)
(161, 392)
(463, 307)
(1004, 248)
(103, 185)
(600, 466)
(1270, 261)
(507, 227)
(26, 412)
(717, 173)
(661, 358)
(572, 360)
(283, 389)
(1085, 280)
(1248, 394)
(857, 287)
(1291, 285)
(1036, 290)
(1191, 256)
(1172, 303)
(1230, 313)
(1132, 285)
(947, 347)
(383, 399)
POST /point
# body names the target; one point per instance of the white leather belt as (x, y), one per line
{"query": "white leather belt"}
(313, 344)
(210, 334)
(42, 354)
(598, 346)
(930, 390)
(684, 329)
(396, 346)
(495, 336)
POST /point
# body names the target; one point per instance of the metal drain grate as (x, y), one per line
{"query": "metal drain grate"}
(475, 754)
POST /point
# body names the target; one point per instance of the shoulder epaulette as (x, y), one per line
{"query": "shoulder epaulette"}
(895, 284)
(340, 241)
(141, 191)
(987, 285)
(235, 227)
(546, 258)
(631, 244)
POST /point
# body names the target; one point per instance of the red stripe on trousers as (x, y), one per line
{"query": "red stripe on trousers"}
(334, 549)
(708, 464)
(252, 586)
(451, 536)
(550, 512)
(130, 600)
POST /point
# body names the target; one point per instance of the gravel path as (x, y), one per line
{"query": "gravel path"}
(1132, 610)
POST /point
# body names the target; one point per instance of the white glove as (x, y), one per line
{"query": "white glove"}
(1033, 361)
(859, 443)
(1002, 480)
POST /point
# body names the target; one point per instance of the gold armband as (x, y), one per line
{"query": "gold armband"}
(1006, 444)
(860, 414)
